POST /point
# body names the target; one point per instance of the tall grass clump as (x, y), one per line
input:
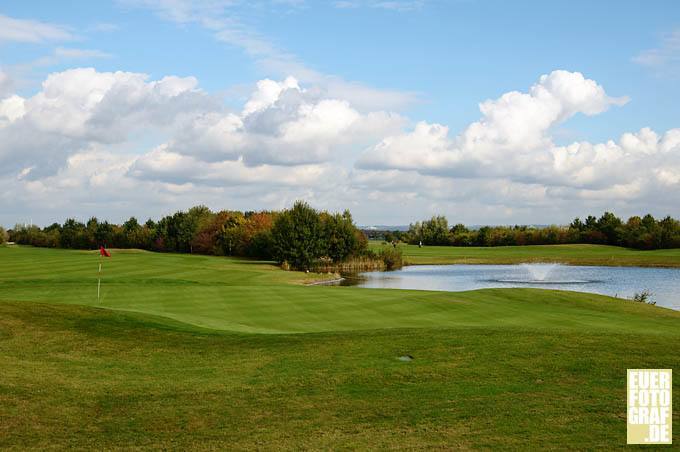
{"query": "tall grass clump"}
(369, 260)
(391, 257)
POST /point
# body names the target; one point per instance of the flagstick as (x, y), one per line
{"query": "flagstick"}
(99, 278)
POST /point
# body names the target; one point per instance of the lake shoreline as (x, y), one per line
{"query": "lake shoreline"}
(575, 255)
(556, 261)
(625, 282)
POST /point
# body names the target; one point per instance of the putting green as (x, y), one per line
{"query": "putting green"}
(256, 297)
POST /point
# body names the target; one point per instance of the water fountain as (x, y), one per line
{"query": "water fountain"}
(620, 281)
(539, 272)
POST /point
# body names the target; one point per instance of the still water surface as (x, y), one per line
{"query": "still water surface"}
(624, 282)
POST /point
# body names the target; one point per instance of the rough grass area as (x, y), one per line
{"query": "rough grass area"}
(493, 369)
(566, 254)
(93, 379)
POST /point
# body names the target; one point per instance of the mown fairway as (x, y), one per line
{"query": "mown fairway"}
(565, 254)
(181, 367)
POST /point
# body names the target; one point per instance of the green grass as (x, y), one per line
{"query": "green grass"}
(566, 254)
(257, 297)
(173, 362)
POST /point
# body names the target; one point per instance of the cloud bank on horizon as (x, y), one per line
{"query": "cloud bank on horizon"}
(116, 143)
(75, 141)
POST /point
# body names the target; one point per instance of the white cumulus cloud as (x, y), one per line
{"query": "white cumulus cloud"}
(283, 124)
(511, 140)
(79, 107)
(119, 143)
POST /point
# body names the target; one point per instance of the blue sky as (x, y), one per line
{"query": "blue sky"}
(425, 61)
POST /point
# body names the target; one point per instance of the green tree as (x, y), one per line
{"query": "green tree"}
(610, 226)
(669, 231)
(103, 234)
(459, 229)
(484, 236)
(649, 223)
(73, 235)
(591, 223)
(577, 225)
(434, 231)
(415, 232)
(339, 235)
(297, 236)
(132, 233)
(91, 232)
(131, 225)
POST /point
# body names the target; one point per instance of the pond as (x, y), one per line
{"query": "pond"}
(623, 282)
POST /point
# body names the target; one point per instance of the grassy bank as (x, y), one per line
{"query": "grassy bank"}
(566, 254)
(172, 361)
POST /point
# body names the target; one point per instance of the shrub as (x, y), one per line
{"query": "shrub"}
(643, 297)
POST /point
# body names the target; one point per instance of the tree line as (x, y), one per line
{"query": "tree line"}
(300, 237)
(637, 232)
(303, 238)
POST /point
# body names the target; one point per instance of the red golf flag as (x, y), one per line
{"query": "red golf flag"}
(103, 252)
